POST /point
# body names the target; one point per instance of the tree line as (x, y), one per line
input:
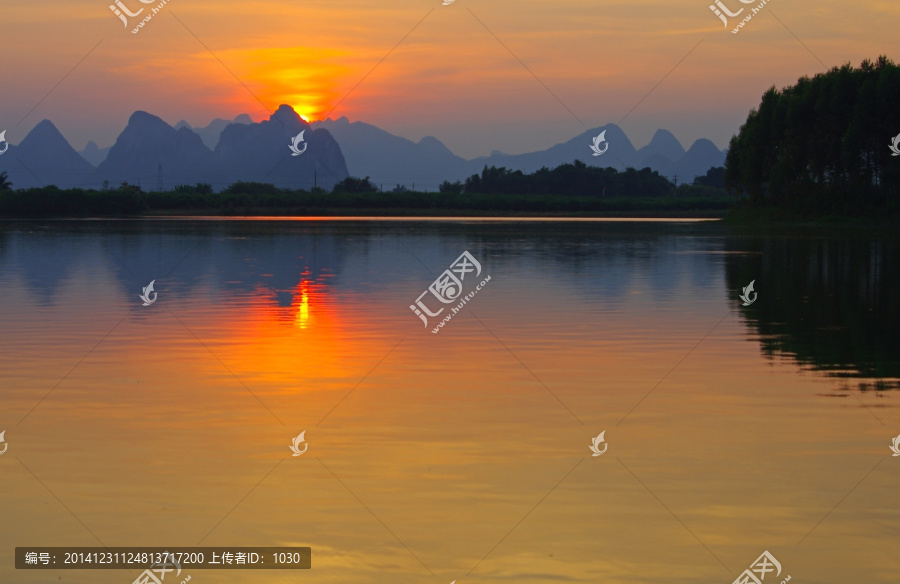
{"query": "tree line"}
(572, 187)
(822, 144)
(575, 179)
(571, 180)
(264, 199)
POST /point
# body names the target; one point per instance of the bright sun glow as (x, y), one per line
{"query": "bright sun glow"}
(306, 78)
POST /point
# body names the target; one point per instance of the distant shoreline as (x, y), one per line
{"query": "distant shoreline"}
(388, 215)
(128, 202)
(442, 214)
(739, 221)
(738, 218)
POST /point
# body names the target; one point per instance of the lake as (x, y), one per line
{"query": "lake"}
(473, 453)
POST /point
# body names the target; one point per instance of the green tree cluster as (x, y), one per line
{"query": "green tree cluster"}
(714, 177)
(570, 188)
(199, 188)
(576, 179)
(355, 185)
(822, 144)
(54, 202)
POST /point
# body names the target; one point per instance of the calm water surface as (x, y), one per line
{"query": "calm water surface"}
(462, 455)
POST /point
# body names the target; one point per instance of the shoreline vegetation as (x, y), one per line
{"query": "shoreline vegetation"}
(575, 190)
(821, 150)
(412, 204)
(258, 200)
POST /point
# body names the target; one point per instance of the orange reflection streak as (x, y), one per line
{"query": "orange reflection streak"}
(302, 314)
(277, 348)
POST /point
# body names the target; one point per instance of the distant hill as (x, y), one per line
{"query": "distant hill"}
(696, 161)
(148, 143)
(211, 132)
(259, 152)
(663, 154)
(225, 151)
(389, 160)
(44, 157)
(94, 154)
(663, 145)
(149, 148)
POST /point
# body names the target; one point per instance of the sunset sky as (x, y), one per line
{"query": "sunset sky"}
(452, 77)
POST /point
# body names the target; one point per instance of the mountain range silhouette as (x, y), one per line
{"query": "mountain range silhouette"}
(149, 149)
(227, 151)
(388, 159)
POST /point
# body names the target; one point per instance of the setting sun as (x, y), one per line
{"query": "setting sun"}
(305, 110)
(307, 78)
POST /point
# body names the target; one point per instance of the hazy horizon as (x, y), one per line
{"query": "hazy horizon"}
(196, 126)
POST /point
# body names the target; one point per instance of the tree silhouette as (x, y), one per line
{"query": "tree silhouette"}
(5, 185)
(576, 179)
(199, 188)
(451, 187)
(823, 143)
(714, 177)
(355, 185)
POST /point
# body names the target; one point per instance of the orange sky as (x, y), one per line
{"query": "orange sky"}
(450, 77)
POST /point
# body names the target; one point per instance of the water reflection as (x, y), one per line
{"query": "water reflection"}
(163, 420)
(827, 302)
(238, 257)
